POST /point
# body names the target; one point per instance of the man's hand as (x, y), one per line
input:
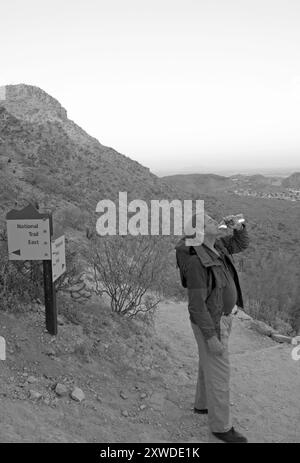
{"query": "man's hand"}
(232, 221)
(215, 346)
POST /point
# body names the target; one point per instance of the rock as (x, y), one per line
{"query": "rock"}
(31, 379)
(46, 401)
(50, 351)
(99, 398)
(157, 401)
(124, 412)
(77, 394)
(281, 338)
(241, 315)
(61, 390)
(123, 395)
(142, 407)
(60, 320)
(54, 402)
(262, 327)
(34, 395)
(143, 395)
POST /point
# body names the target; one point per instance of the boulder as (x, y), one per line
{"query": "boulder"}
(123, 395)
(77, 394)
(34, 395)
(241, 315)
(61, 390)
(281, 338)
(31, 379)
(262, 327)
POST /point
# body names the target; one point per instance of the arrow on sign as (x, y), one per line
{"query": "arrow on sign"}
(18, 252)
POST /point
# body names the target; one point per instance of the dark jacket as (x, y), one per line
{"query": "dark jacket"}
(202, 275)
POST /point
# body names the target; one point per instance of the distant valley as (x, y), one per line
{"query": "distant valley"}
(284, 188)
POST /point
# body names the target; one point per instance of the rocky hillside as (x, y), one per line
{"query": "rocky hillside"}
(293, 181)
(45, 155)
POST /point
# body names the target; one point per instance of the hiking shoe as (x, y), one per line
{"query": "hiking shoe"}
(201, 411)
(230, 436)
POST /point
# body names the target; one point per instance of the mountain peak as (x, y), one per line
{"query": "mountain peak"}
(31, 103)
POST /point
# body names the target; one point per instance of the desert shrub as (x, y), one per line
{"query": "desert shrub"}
(129, 269)
(21, 282)
(271, 284)
(72, 281)
(294, 315)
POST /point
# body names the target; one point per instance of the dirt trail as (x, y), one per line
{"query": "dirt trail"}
(265, 380)
(157, 375)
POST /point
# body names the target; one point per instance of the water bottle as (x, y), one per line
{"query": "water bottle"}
(230, 220)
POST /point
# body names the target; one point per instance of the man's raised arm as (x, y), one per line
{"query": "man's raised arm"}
(238, 241)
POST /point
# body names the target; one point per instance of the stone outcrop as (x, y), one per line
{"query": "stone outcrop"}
(31, 104)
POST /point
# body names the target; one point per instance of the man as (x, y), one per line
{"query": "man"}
(208, 272)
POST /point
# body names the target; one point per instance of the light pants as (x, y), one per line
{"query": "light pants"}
(213, 383)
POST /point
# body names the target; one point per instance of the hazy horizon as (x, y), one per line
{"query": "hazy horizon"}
(230, 172)
(177, 86)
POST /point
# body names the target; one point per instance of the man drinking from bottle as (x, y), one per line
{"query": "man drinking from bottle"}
(208, 273)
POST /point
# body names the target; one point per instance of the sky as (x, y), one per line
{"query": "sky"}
(179, 86)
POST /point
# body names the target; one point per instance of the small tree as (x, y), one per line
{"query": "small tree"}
(129, 269)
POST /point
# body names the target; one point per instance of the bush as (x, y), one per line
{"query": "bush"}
(130, 271)
(72, 280)
(21, 282)
(271, 284)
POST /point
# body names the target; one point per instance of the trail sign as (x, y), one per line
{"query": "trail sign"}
(29, 238)
(28, 235)
(58, 257)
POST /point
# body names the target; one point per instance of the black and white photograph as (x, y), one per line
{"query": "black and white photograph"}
(149, 225)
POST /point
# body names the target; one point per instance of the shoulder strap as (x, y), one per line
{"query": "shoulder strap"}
(204, 257)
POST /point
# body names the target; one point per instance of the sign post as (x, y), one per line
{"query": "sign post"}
(29, 238)
(58, 257)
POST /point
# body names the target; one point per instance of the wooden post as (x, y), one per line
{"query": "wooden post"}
(49, 291)
(50, 298)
